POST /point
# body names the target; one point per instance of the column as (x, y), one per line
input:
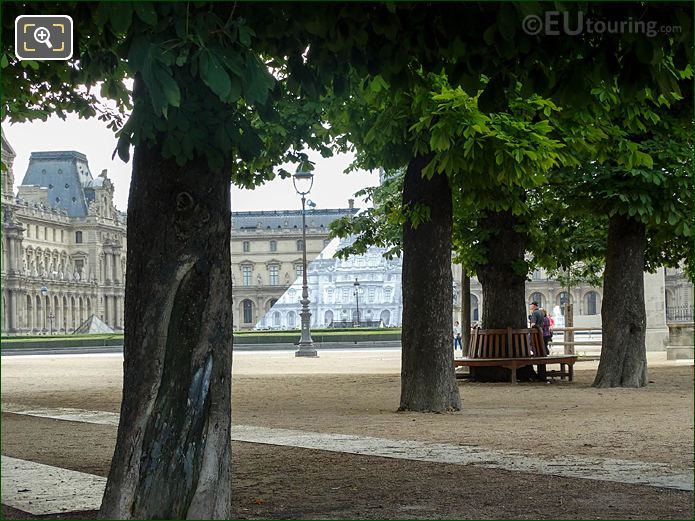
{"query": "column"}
(10, 254)
(12, 305)
(109, 268)
(655, 307)
(116, 313)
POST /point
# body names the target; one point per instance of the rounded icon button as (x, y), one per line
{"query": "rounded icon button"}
(43, 35)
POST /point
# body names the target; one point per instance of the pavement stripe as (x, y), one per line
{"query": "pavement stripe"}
(601, 469)
(42, 489)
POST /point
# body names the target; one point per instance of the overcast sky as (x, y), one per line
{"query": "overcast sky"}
(332, 188)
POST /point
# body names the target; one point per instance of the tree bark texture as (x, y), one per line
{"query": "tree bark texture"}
(623, 316)
(172, 458)
(504, 288)
(428, 382)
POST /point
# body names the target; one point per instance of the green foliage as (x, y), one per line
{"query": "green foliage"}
(381, 225)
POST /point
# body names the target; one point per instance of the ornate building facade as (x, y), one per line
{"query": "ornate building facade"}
(267, 255)
(336, 298)
(63, 246)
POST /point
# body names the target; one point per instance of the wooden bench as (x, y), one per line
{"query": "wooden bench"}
(511, 349)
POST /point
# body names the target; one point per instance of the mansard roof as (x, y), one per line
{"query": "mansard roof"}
(287, 218)
(65, 174)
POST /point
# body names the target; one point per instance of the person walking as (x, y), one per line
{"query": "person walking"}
(457, 337)
(536, 320)
(547, 330)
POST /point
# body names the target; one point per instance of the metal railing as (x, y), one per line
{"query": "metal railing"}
(679, 313)
(570, 338)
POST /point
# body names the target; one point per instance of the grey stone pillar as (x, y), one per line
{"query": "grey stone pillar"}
(655, 306)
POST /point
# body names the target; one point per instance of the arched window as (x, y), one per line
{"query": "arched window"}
(538, 298)
(291, 319)
(562, 299)
(591, 303)
(273, 246)
(276, 319)
(300, 245)
(475, 313)
(328, 318)
(385, 317)
(248, 311)
(78, 237)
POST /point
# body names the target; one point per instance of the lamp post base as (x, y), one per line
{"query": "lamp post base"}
(306, 350)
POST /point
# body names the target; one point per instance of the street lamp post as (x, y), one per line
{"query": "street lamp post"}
(303, 180)
(357, 300)
(49, 314)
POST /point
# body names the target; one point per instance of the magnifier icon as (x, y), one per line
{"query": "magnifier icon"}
(43, 35)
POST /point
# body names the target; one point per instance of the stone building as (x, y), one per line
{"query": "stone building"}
(334, 297)
(267, 255)
(668, 297)
(63, 246)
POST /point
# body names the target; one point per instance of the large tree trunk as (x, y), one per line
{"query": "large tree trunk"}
(428, 382)
(503, 283)
(624, 320)
(172, 457)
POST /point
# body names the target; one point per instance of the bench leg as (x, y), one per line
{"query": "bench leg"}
(562, 371)
(513, 378)
(571, 372)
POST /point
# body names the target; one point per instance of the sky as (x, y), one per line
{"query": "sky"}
(332, 188)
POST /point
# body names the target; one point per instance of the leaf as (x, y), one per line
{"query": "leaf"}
(146, 12)
(120, 16)
(138, 52)
(170, 88)
(213, 74)
(245, 33)
(4, 62)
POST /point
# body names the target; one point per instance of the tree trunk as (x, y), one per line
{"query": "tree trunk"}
(504, 284)
(624, 319)
(428, 382)
(172, 457)
(465, 311)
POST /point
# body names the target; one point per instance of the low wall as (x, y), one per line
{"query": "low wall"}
(680, 341)
(256, 341)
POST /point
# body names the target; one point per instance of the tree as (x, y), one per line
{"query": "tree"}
(205, 111)
(644, 194)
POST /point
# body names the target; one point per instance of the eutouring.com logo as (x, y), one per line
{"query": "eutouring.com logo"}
(556, 23)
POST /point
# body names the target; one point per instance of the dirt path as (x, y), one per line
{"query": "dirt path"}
(357, 393)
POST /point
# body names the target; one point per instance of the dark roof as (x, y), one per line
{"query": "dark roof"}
(287, 218)
(64, 173)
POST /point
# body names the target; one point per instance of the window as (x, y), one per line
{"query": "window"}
(274, 274)
(591, 302)
(538, 298)
(273, 246)
(248, 311)
(346, 294)
(45, 233)
(246, 246)
(246, 275)
(298, 270)
(387, 294)
(562, 299)
(326, 242)
(54, 235)
(372, 294)
(62, 237)
(78, 237)
(300, 245)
